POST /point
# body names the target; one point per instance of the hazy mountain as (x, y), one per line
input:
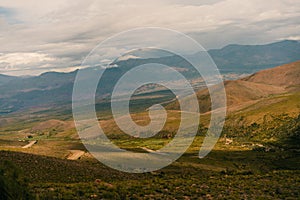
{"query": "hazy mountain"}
(174, 61)
(46, 81)
(251, 58)
(48, 88)
(5, 79)
(144, 54)
(231, 58)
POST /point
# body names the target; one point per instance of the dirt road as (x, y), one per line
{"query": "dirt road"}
(30, 144)
(75, 154)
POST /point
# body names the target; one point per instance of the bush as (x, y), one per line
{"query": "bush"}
(13, 185)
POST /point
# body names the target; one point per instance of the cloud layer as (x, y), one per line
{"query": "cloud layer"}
(56, 35)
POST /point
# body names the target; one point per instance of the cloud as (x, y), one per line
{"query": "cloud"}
(66, 30)
(32, 63)
(13, 59)
(295, 37)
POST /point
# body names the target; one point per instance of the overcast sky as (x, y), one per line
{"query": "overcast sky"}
(55, 35)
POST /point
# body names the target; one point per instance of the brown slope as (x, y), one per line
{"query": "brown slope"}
(238, 93)
(246, 91)
(53, 124)
(287, 76)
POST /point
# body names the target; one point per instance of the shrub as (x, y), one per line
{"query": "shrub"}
(12, 183)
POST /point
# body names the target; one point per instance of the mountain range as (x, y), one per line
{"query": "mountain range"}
(251, 58)
(53, 88)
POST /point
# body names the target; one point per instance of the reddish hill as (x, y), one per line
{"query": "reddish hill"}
(286, 76)
(263, 84)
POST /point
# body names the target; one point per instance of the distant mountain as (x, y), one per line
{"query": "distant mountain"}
(46, 81)
(174, 61)
(251, 58)
(5, 79)
(230, 59)
(48, 88)
(144, 54)
(53, 88)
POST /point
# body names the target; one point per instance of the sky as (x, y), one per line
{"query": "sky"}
(56, 35)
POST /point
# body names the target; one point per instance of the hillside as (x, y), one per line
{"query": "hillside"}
(263, 125)
(285, 76)
(259, 86)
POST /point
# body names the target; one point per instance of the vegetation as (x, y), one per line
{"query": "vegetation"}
(257, 156)
(13, 184)
(241, 170)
